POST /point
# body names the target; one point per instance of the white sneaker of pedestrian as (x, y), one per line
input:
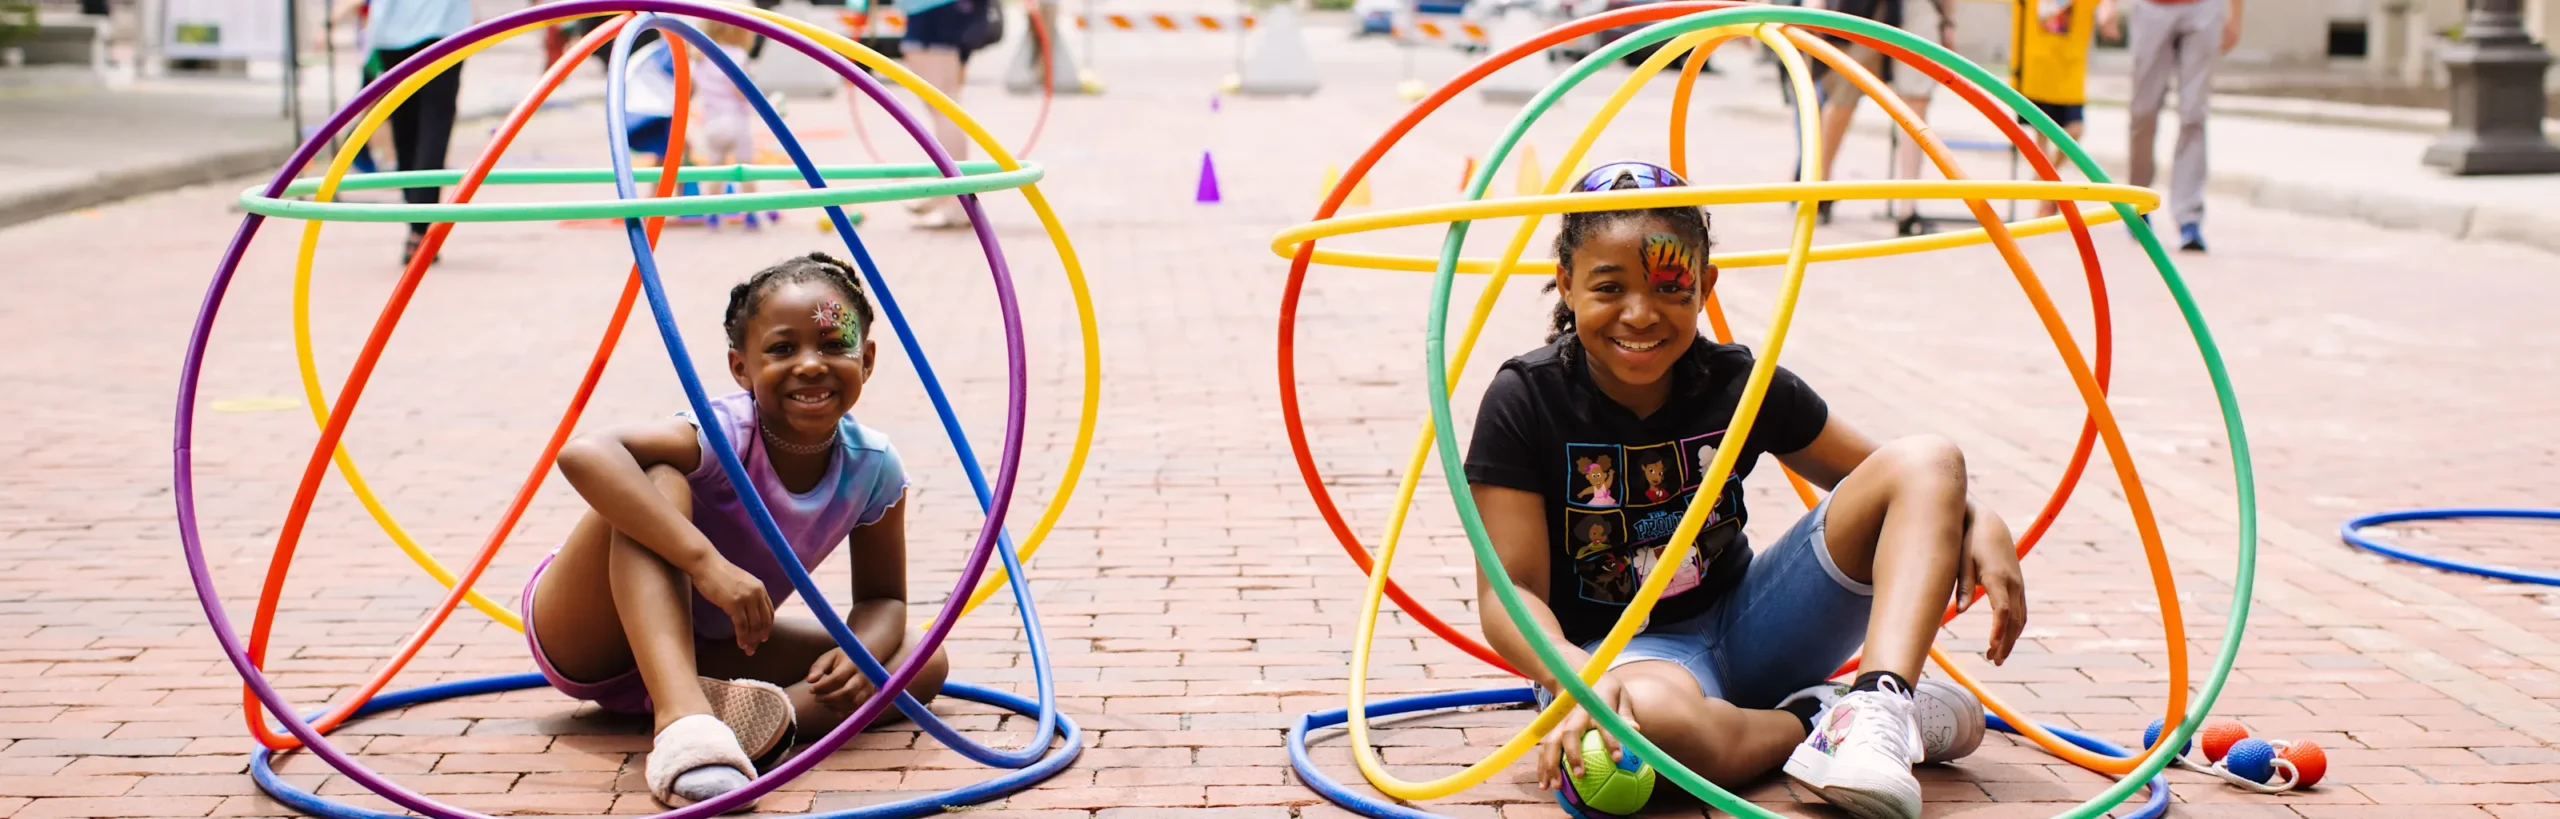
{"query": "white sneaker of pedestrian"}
(1860, 753)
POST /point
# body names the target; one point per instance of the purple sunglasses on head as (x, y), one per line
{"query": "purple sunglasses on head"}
(1629, 174)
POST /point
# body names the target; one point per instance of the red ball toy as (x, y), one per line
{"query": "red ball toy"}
(2309, 762)
(2216, 738)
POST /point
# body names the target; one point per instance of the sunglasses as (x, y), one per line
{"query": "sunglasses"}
(1617, 175)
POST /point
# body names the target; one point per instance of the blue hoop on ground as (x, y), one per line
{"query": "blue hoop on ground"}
(1367, 805)
(262, 769)
(2352, 534)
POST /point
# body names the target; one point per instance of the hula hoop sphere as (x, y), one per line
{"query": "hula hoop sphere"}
(1057, 740)
(1682, 27)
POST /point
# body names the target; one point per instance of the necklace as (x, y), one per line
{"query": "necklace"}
(778, 442)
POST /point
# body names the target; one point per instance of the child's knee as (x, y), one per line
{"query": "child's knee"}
(1661, 699)
(1649, 694)
(1922, 462)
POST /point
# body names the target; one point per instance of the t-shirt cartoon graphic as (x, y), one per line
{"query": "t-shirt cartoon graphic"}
(1617, 485)
(1627, 543)
(1597, 479)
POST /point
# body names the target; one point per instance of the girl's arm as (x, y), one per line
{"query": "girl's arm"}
(879, 553)
(610, 470)
(1517, 521)
(1835, 451)
(879, 618)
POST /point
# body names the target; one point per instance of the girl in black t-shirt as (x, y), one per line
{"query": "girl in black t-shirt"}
(1586, 453)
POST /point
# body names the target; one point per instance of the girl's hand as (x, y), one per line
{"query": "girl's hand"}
(1560, 754)
(837, 683)
(1991, 564)
(741, 596)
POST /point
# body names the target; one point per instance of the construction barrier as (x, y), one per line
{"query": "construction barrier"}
(1165, 22)
(1444, 30)
(888, 23)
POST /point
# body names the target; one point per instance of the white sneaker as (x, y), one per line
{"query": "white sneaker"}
(1860, 753)
(1950, 721)
(1950, 717)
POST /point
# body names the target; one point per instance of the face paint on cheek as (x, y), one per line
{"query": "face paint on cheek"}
(1667, 260)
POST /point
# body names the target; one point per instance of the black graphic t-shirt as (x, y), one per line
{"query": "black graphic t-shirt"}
(1616, 485)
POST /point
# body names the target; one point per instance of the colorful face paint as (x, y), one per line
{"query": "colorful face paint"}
(841, 319)
(1669, 260)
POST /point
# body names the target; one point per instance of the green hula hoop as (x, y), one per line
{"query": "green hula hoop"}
(977, 177)
(1515, 607)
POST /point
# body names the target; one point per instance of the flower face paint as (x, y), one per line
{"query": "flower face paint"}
(1668, 260)
(841, 319)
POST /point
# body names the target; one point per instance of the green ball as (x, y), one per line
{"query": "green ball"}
(1607, 785)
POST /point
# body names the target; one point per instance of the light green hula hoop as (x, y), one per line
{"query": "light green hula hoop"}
(977, 177)
(1514, 605)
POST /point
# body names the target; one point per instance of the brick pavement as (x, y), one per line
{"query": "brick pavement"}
(1194, 601)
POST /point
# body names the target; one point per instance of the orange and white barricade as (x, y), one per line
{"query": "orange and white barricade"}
(1431, 28)
(1143, 21)
(891, 23)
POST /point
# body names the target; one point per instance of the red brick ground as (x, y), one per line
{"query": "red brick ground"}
(1195, 603)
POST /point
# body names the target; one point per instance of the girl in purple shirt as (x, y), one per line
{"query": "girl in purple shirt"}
(662, 599)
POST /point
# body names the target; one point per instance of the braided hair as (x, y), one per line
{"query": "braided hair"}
(1691, 224)
(815, 267)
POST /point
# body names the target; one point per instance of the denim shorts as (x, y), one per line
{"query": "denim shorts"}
(1790, 623)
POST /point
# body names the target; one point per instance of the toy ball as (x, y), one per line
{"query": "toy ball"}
(2309, 762)
(2218, 737)
(2252, 759)
(1606, 786)
(2151, 736)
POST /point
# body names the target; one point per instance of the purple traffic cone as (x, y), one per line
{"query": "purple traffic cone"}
(1208, 193)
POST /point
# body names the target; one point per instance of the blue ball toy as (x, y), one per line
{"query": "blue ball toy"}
(2151, 736)
(2251, 759)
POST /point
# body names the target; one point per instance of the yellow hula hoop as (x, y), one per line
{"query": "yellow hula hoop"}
(1878, 248)
(1754, 390)
(1286, 243)
(942, 103)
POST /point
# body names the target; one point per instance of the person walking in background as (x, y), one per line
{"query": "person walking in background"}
(2185, 39)
(422, 127)
(2052, 69)
(1930, 19)
(941, 34)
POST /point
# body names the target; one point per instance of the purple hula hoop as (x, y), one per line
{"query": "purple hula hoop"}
(200, 336)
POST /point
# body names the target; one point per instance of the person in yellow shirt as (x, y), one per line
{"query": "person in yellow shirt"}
(2051, 39)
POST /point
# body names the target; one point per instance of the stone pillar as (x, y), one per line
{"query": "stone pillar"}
(2497, 99)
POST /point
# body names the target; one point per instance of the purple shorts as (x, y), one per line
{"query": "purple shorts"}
(622, 693)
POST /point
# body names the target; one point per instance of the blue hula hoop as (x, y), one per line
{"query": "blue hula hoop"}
(2352, 534)
(262, 768)
(1368, 805)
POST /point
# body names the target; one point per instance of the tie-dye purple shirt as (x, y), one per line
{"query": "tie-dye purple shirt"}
(863, 481)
